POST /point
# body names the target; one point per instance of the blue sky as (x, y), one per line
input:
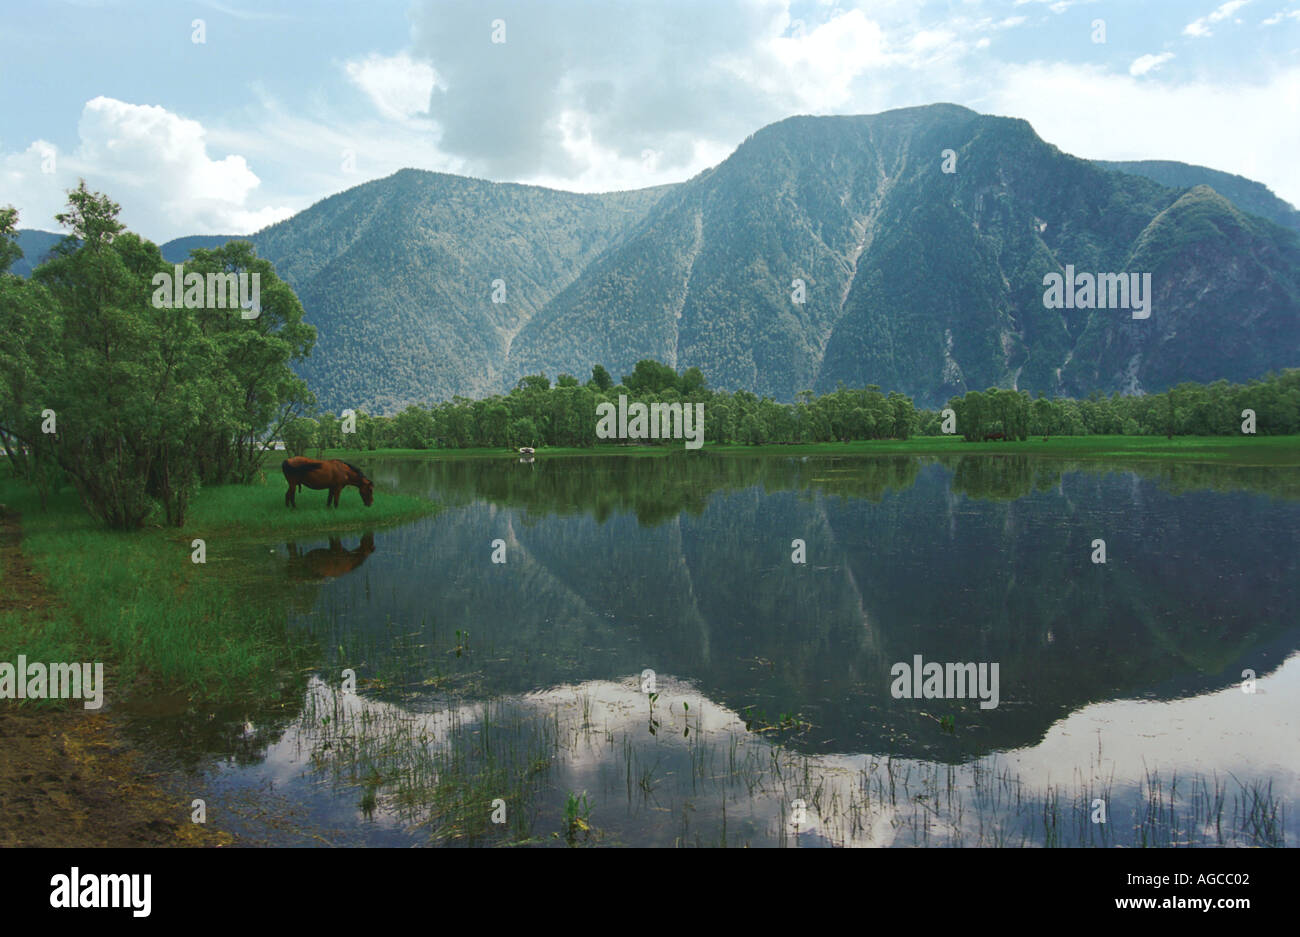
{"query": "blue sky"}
(283, 104)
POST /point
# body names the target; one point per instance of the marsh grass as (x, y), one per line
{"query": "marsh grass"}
(440, 772)
(561, 758)
(160, 622)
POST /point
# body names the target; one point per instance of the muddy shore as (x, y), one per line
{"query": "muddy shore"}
(68, 776)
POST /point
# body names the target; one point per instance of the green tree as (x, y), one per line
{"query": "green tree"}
(147, 400)
(9, 249)
(523, 432)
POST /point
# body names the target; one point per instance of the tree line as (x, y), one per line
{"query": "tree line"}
(138, 406)
(538, 413)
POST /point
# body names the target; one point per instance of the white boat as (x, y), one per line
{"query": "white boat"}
(525, 450)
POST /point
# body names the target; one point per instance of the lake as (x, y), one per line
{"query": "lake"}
(621, 650)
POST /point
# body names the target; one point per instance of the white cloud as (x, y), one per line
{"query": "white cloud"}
(152, 162)
(1200, 28)
(1148, 63)
(816, 68)
(1281, 15)
(1113, 116)
(398, 85)
(606, 170)
(1059, 6)
(325, 154)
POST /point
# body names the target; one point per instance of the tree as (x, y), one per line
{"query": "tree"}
(413, 428)
(298, 435)
(9, 249)
(692, 382)
(650, 377)
(523, 432)
(147, 401)
(254, 358)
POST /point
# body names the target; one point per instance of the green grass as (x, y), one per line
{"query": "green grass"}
(1232, 450)
(1228, 450)
(259, 509)
(492, 453)
(160, 622)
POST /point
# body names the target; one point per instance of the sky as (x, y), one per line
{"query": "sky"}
(224, 116)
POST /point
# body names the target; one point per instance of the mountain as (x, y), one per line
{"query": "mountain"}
(398, 277)
(36, 246)
(1246, 194)
(926, 281)
(914, 278)
(178, 250)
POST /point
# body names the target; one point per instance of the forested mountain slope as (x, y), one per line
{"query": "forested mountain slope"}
(912, 277)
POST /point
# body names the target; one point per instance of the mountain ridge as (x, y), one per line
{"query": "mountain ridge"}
(916, 279)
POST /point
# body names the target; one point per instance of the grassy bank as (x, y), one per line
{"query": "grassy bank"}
(1227, 450)
(160, 622)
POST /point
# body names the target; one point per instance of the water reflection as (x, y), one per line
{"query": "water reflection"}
(328, 562)
(683, 565)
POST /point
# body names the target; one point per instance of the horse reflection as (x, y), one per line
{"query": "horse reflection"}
(327, 562)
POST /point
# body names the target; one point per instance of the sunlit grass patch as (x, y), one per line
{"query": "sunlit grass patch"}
(135, 600)
(260, 508)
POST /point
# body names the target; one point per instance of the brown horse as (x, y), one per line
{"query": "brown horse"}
(333, 474)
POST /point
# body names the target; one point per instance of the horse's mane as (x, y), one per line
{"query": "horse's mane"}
(354, 468)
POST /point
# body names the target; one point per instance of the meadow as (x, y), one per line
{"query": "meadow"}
(161, 622)
(1228, 450)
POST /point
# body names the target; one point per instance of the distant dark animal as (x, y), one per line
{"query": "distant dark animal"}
(323, 563)
(988, 436)
(333, 474)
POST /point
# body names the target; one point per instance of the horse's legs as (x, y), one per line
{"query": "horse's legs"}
(288, 497)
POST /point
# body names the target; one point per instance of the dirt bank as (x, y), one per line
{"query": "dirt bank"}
(68, 777)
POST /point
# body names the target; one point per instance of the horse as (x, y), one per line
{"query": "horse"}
(333, 474)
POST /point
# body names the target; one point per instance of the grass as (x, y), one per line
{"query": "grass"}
(577, 815)
(259, 509)
(445, 772)
(160, 622)
(1229, 450)
(440, 769)
(1232, 450)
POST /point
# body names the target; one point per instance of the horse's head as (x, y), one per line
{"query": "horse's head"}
(356, 477)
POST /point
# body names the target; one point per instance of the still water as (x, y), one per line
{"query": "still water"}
(649, 666)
